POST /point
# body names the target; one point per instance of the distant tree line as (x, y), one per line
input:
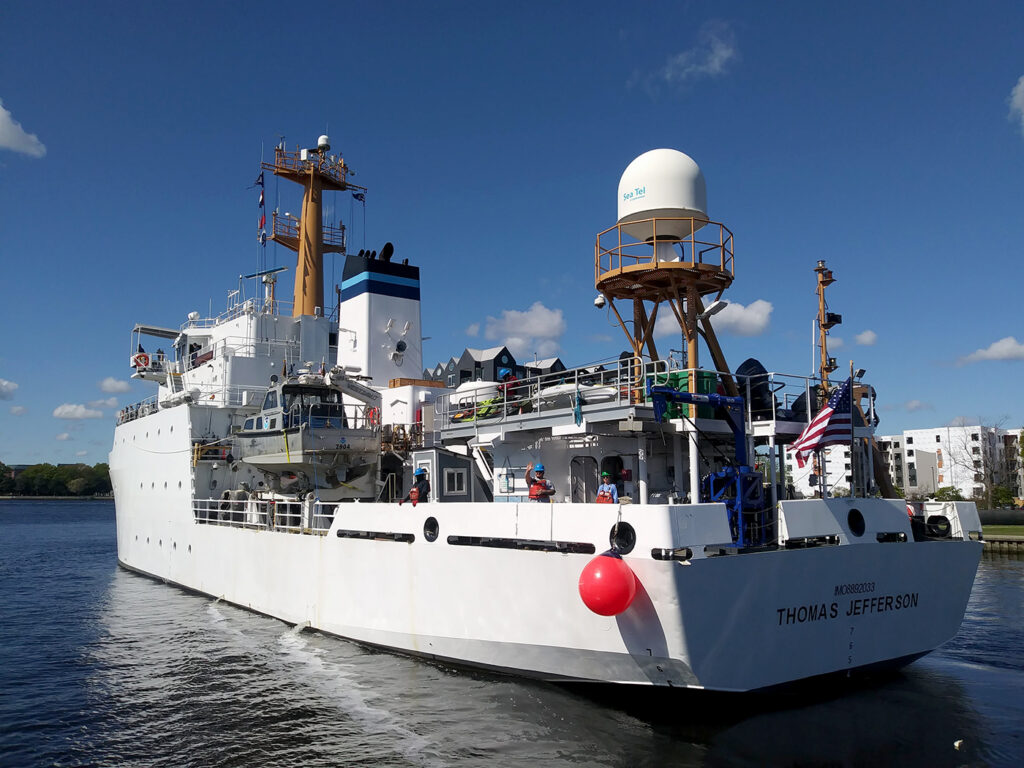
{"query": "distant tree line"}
(50, 480)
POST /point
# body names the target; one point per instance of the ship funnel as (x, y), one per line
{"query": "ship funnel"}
(662, 184)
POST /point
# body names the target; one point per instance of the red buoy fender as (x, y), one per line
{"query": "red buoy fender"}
(607, 585)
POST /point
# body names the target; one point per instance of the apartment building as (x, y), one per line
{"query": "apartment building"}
(971, 459)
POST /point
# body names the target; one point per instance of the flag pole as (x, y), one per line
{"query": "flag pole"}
(853, 442)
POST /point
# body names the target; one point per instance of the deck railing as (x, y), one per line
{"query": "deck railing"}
(304, 517)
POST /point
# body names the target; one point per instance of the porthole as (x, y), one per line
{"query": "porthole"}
(431, 529)
(856, 522)
(622, 538)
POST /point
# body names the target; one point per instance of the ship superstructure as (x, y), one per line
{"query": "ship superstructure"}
(266, 469)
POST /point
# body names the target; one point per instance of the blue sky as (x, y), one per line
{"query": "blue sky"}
(884, 138)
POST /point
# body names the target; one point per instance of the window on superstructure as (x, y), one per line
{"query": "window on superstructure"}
(910, 440)
(974, 436)
(938, 439)
(455, 482)
(248, 424)
(270, 401)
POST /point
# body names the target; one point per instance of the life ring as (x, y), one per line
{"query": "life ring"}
(141, 360)
(373, 416)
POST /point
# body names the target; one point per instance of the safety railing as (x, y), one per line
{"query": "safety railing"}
(320, 416)
(304, 517)
(286, 230)
(208, 395)
(705, 243)
(608, 384)
(769, 397)
(137, 410)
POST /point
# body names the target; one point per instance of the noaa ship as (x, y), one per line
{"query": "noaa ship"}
(266, 468)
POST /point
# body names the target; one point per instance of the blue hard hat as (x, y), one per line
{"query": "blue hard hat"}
(539, 468)
(419, 471)
(503, 372)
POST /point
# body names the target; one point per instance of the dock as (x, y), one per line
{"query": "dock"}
(1004, 544)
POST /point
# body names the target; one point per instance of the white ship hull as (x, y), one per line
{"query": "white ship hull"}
(732, 622)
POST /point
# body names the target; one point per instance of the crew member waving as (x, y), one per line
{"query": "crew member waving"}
(541, 488)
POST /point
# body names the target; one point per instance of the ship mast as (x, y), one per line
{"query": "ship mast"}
(315, 171)
(826, 320)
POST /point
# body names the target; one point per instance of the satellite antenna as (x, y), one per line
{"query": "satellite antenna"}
(665, 250)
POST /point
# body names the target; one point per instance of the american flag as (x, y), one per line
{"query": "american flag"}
(833, 424)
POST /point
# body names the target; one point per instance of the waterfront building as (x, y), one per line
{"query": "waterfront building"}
(972, 459)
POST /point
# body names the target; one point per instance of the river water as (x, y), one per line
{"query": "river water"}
(99, 666)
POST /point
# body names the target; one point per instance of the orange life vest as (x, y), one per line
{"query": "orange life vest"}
(604, 497)
(537, 490)
(414, 495)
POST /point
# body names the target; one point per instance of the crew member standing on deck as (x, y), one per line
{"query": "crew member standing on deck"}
(607, 493)
(541, 489)
(420, 490)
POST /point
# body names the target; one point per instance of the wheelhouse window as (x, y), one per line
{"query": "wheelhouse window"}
(270, 401)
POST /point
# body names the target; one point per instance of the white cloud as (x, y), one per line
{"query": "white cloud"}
(71, 411)
(750, 320)
(18, 410)
(1004, 349)
(737, 319)
(715, 50)
(962, 421)
(110, 384)
(835, 342)
(601, 338)
(7, 389)
(81, 453)
(63, 436)
(110, 402)
(917, 405)
(473, 329)
(14, 137)
(537, 329)
(1017, 103)
(866, 338)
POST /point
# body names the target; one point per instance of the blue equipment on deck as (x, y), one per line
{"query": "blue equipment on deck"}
(739, 487)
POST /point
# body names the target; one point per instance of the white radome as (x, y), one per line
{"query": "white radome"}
(662, 184)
